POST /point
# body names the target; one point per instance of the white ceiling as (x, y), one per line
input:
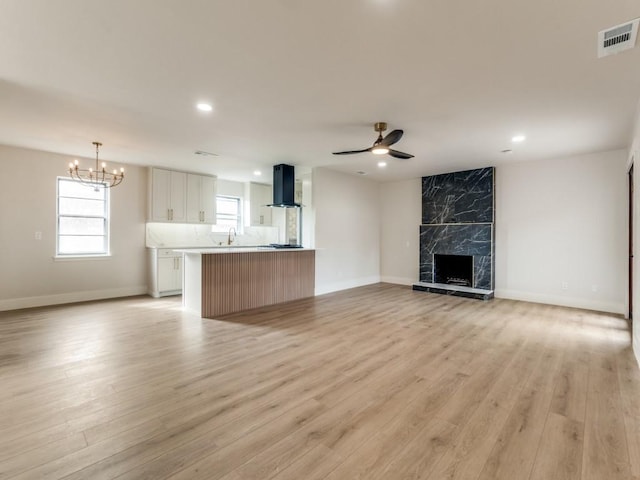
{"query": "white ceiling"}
(292, 81)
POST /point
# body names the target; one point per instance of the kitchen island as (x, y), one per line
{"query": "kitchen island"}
(219, 281)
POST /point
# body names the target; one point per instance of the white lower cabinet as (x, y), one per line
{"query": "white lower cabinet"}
(166, 272)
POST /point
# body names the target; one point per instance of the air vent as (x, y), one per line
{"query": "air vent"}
(206, 154)
(617, 39)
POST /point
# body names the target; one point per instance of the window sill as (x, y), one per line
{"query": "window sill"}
(79, 258)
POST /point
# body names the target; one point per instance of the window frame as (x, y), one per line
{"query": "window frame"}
(227, 216)
(106, 218)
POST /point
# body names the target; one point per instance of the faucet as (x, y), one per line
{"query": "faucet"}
(229, 239)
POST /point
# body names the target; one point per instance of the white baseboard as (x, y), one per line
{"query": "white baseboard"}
(398, 280)
(346, 284)
(586, 303)
(58, 299)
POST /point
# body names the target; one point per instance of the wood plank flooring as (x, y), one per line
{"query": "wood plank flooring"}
(378, 382)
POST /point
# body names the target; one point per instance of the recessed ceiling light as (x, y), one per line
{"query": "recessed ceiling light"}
(257, 173)
(204, 107)
(518, 138)
(382, 164)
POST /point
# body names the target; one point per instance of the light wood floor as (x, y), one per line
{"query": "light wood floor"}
(378, 382)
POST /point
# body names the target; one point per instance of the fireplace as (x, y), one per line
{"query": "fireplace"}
(457, 247)
(453, 269)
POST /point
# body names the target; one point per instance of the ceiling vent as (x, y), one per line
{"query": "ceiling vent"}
(617, 39)
(205, 154)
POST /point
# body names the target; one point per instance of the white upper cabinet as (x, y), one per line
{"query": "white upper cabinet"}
(259, 197)
(168, 195)
(201, 199)
(182, 197)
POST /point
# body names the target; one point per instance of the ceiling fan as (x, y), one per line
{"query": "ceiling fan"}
(382, 144)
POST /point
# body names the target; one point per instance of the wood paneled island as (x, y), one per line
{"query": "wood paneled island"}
(219, 281)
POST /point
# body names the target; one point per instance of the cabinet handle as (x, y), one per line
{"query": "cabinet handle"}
(171, 214)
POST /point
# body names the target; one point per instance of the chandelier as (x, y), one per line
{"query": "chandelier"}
(98, 178)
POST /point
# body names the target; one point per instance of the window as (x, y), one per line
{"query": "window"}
(228, 212)
(83, 219)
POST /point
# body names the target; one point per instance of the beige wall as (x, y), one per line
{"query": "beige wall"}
(30, 275)
(562, 220)
(557, 221)
(347, 232)
(401, 215)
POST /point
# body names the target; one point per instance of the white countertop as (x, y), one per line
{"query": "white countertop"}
(238, 249)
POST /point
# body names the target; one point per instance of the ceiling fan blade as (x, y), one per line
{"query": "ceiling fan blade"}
(392, 138)
(350, 152)
(397, 154)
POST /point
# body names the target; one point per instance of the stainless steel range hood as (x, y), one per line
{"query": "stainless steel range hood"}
(284, 187)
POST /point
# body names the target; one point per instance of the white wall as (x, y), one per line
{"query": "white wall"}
(400, 218)
(347, 230)
(30, 276)
(563, 221)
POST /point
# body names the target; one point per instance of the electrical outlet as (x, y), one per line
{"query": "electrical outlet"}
(565, 285)
(38, 235)
(594, 288)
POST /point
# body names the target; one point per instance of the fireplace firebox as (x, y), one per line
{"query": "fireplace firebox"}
(454, 270)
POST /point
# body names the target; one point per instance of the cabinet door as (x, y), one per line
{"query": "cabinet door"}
(254, 204)
(265, 212)
(208, 199)
(259, 197)
(201, 199)
(160, 200)
(166, 274)
(178, 196)
(194, 212)
(178, 274)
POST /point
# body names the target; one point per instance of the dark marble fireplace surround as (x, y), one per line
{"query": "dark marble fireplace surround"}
(457, 219)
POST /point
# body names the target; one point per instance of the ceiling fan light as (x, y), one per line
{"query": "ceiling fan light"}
(380, 150)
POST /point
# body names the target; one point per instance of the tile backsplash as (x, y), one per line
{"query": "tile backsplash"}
(177, 235)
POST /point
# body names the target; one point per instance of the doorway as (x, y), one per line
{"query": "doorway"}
(630, 175)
